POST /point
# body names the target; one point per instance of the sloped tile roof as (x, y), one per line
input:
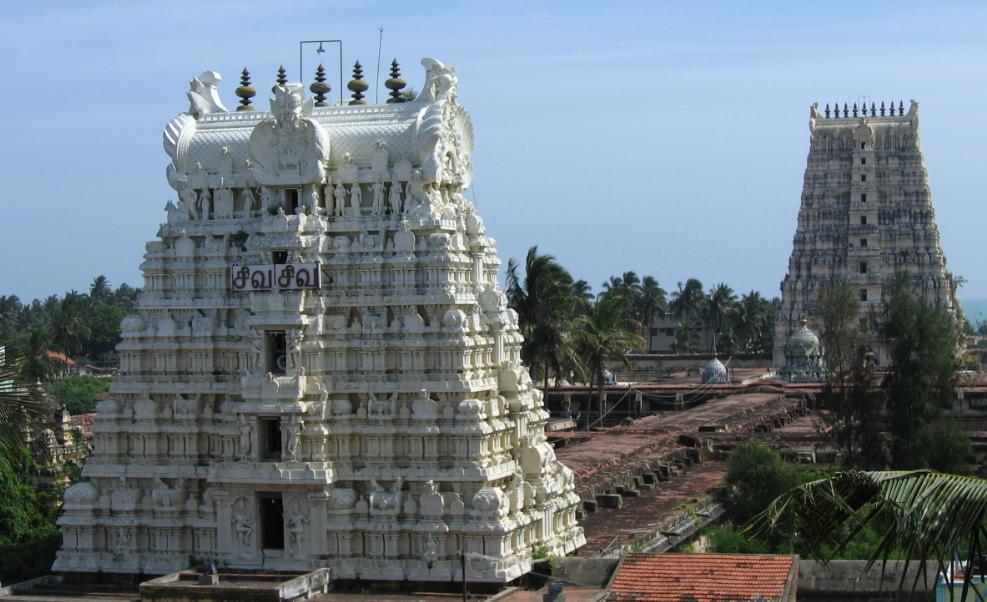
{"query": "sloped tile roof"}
(701, 577)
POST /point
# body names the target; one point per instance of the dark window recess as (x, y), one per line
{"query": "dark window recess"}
(863, 146)
(863, 177)
(271, 522)
(277, 355)
(863, 220)
(863, 267)
(270, 435)
(863, 197)
(654, 332)
(291, 200)
(863, 160)
(863, 242)
(279, 257)
(863, 294)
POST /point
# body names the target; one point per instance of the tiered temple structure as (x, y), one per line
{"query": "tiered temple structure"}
(866, 216)
(322, 369)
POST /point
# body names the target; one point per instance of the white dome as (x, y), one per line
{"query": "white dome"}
(715, 372)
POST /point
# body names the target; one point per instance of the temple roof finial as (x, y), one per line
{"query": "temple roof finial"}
(395, 84)
(358, 85)
(245, 91)
(282, 76)
(320, 88)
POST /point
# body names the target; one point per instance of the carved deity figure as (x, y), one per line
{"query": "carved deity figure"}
(377, 206)
(249, 201)
(296, 530)
(246, 437)
(356, 199)
(266, 202)
(328, 195)
(293, 435)
(340, 195)
(430, 553)
(243, 530)
(293, 339)
(394, 197)
(186, 203)
(223, 204)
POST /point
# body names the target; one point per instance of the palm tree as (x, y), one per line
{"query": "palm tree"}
(686, 338)
(605, 334)
(583, 294)
(33, 364)
(922, 513)
(687, 301)
(100, 288)
(544, 302)
(20, 411)
(11, 311)
(651, 302)
(751, 317)
(719, 304)
(69, 328)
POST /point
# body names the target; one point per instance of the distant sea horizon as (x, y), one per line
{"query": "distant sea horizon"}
(975, 310)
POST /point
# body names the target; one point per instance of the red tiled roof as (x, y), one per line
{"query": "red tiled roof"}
(701, 577)
(60, 357)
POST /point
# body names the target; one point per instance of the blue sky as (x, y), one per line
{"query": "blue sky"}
(666, 138)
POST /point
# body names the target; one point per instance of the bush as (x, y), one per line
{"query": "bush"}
(78, 394)
(756, 475)
(725, 539)
(33, 558)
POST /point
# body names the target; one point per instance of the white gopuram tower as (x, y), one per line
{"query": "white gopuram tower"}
(322, 369)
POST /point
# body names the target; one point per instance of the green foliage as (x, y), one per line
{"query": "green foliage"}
(29, 559)
(78, 324)
(24, 514)
(920, 514)
(756, 475)
(946, 448)
(923, 342)
(78, 393)
(725, 539)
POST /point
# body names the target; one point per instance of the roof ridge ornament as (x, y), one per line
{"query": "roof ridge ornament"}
(203, 94)
(320, 88)
(245, 91)
(358, 85)
(395, 84)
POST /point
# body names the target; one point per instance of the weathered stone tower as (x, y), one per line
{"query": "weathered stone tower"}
(322, 369)
(866, 215)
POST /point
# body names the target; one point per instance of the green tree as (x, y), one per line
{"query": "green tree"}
(33, 364)
(686, 339)
(605, 334)
(100, 289)
(545, 304)
(718, 307)
(68, 325)
(756, 475)
(79, 394)
(11, 312)
(920, 514)
(651, 302)
(922, 340)
(687, 301)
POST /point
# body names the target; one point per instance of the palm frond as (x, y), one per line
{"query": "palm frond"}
(923, 515)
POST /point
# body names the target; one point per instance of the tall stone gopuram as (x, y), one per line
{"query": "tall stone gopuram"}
(322, 369)
(866, 216)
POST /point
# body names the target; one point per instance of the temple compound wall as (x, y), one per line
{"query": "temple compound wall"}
(322, 369)
(866, 217)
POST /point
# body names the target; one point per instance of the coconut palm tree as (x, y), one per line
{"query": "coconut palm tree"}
(929, 516)
(687, 301)
(11, 311)
(651, 302)
(69, 328)
(719, 305)
(20, 411)
(100, 288)
(33, 364)
(751, 318)
(605, 334)
(545, 303)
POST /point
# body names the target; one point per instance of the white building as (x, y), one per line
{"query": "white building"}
(322, 369)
